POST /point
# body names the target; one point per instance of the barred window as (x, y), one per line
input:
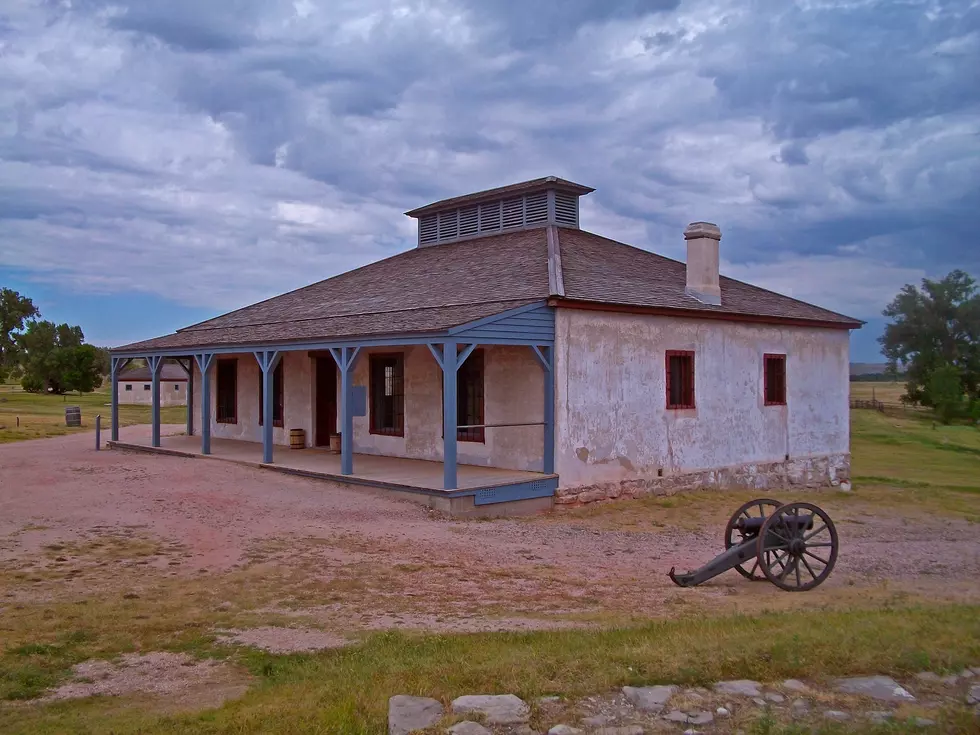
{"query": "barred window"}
(680, 379)
(226, 408)
(774, 379)
(387, 394)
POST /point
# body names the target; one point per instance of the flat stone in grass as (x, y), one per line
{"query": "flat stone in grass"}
(973, 696)
(882, 688)
(795, 685)
(836, 715)
(407, 714)
(564, 730)
(649, 699)
(739, 687)
(499, 709)
(468, 728)
(627, 730)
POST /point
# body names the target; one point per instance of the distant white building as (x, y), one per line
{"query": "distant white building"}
(136, 386)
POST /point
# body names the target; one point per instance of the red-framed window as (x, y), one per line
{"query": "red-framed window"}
(387, 378)
(226, 392)
(774, 379)
(277, 396)
(680, 378)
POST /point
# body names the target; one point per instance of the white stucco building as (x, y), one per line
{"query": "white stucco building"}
(567, 367)
(136, 383)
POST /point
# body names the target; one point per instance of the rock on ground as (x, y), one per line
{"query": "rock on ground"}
(628, 730)
(406, 713)
(499, 709)
(739, 687)
(564, 730)
(973, 696)
(795, 685)
(468, 728)
(882, 688)
(649, 699)
(836, 715)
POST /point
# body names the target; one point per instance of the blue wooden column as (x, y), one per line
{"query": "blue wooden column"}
(204, 362)
(546, 356)
(188, 368)
(268, 359)
(155, 364)
(117, 365)
(450, 360)
(345, 357)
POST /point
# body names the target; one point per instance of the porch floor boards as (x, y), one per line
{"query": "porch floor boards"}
(396, 472)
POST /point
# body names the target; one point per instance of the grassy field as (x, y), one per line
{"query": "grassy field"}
(885, 392)
(902, 465)
(42, 415)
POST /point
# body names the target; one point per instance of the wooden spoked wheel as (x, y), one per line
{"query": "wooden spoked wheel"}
(754, 509)
(797, 547)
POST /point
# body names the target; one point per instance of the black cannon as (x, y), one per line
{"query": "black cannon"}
(794, 546)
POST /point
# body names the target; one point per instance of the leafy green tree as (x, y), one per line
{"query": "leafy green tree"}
(15, 311)
(936, 326)
(56, 359)
(945, 392)
(80, 368)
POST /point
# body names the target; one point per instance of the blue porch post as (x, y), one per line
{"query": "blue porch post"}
(155, 364)
(189, 394)
(117, 365)
(345, 357)
(268, 359)
(204, 361)
(450, 360)
(546, 356)
(449, 368)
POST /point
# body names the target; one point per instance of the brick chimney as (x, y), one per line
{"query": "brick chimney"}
(702, 262)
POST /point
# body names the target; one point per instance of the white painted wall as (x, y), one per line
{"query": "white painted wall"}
(297, 399)
(172, 393)
(513, 393)
(611, 415)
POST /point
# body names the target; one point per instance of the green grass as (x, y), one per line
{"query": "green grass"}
(42, 415)
(346, 691)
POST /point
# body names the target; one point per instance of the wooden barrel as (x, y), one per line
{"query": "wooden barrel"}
(335, 443)
(297, 439)
(73, 415)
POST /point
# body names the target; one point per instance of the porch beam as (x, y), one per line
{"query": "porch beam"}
(188, 368)
(346, 357)
(204, 362)
(461, 357)
(116, 365)
(546, 357)
(155, 363)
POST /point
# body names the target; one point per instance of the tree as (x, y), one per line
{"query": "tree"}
(945, 392)
(931, 328)
(15, 310)
(56, 359)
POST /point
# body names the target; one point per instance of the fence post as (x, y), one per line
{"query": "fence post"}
(98, 432)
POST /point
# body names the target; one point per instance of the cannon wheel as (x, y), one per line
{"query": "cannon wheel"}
(758, 508)
(793, 558)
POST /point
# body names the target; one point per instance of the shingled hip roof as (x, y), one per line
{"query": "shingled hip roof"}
(432, 289)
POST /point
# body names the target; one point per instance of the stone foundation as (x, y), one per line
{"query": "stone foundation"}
(804, 472)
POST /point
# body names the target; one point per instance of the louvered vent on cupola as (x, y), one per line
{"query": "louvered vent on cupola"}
(537, 203)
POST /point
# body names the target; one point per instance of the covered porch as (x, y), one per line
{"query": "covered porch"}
(429, 443)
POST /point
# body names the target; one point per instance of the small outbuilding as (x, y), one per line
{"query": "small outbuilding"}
(135, 385)
(512, 360)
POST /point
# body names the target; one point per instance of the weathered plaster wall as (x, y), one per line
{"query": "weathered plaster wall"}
(612, 420)
(297, 399)
(513, 393)
(140, 396)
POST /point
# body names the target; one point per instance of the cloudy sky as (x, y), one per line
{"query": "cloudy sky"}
(165, 160)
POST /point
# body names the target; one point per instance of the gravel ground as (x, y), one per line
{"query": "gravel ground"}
(223, 516)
